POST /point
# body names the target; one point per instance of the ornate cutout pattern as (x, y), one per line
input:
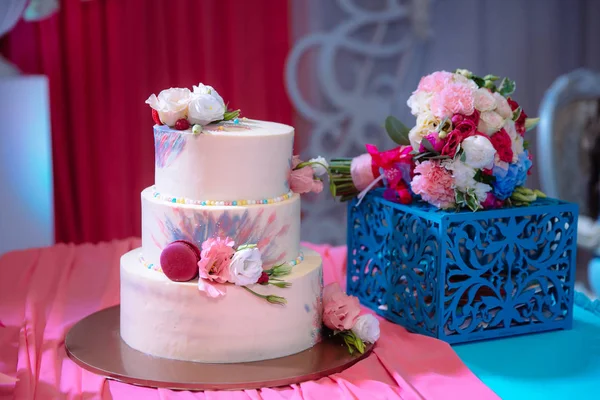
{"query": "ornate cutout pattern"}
(464, 276)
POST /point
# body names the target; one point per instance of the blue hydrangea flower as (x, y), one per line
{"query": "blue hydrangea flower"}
(508, 179)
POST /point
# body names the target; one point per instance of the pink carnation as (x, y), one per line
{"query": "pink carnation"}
(340, 311)
(434, 183)
(435, 82)
(455, 98)
(215, 258)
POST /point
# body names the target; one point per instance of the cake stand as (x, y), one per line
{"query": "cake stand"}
(94, 343)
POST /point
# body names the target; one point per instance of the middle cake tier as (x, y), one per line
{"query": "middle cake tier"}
(274, 227)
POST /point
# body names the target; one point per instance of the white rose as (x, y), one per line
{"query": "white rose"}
(246, 266)
(204, 109)
(419, 102)
(490, 122)
(205, 89)
(502, 106)
(320, 168)
(171, 104)
(426, 123)
(479, 151)
(484, 100)
(367, 328)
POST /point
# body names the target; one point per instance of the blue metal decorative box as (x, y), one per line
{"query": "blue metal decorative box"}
(464, 276)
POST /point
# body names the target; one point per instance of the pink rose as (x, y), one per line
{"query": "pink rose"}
(302, 180)
(455, 98)
(215, 258)
(340, 311)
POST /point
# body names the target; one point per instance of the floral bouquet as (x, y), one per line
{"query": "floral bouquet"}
(467, 148)
(341, 317)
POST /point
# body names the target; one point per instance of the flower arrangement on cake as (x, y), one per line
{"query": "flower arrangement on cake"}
(306, 176)
(466, 150)
(341, 317)
(180, 108)
(219, 263)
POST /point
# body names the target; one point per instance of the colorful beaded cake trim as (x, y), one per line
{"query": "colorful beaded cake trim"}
(183, 200)
(157, 268)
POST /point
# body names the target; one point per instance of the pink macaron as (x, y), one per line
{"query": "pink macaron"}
(179, 261)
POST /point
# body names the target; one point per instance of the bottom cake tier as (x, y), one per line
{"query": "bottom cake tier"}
(175, 320)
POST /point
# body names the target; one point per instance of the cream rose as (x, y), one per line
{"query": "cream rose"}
(479, 151)
(484, 100)
(490, 122)
(426, 122)
(367, 328)
(171, 104)
(515, 139)
(246, 266)
(419, 102)
(502, 106)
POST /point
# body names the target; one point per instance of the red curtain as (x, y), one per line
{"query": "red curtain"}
(103, 59)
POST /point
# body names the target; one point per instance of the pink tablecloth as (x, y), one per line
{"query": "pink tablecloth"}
(43, 292)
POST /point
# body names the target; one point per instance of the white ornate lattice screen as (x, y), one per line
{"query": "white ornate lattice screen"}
(353, 63)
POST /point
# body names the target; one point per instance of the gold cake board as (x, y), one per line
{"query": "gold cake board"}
(95, 343)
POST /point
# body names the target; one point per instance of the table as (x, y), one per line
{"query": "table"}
(43, 292)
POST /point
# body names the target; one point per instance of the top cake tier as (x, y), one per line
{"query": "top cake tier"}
(246, 160)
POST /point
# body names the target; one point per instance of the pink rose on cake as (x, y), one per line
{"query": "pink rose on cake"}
(340, 311)
(341, 314)
(215, 258)
(304, 175)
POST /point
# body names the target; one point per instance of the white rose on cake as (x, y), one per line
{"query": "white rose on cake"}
(171, 104)
(319, 165)
(246, 266)
(206, 106)
(206, 89)
(479, 152)
(367, 328)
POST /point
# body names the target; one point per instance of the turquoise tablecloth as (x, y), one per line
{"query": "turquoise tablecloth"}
(552, 365)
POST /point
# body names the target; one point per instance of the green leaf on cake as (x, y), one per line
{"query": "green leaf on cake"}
(506, 87)
(230, 115)
(397, 131)
(353, 342)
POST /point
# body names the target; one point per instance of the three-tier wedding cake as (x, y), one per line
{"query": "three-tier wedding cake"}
(220, 276)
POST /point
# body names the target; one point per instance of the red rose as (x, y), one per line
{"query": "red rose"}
(503, 145)
(520, 122)
(461, 131)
